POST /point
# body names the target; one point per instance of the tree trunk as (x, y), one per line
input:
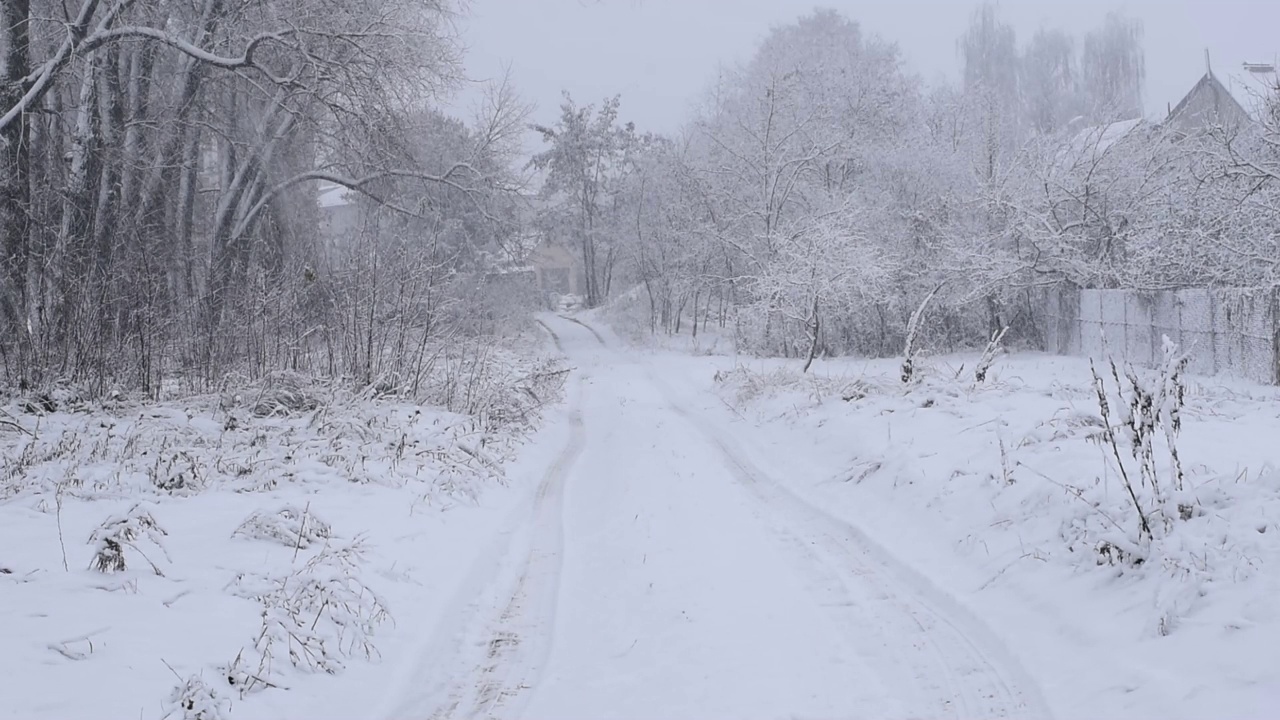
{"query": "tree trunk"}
(181, 278)
(75, 231)
(138, 66)
(813, 336)
(15, 187)
(696, 293)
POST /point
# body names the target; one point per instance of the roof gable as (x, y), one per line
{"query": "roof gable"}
(1209, 102)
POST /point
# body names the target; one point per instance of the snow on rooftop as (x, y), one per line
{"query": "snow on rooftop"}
(1114, 132)
(334, 196)
(1097, 139)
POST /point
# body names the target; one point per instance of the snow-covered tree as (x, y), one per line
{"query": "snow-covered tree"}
(781, 148)
(160, 170)
(1113, 69)
(1050, 81)
(989, 57)
(587, 155)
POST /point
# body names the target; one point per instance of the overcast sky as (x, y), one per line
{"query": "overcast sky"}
(660, 54)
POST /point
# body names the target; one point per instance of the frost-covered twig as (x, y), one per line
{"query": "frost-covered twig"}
(7, 420)
(1144, 526)
(62, 541)
(194, 699)
(302, 530)
(313, 617)
(1152, 409)
(913, 329)
(63, 647)
(1007, 474)
(989, 355)
(1170, 398)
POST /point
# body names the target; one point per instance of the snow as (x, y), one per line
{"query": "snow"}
(1098, 139)
(922, 472)
(422, 497)
(686, 536)
(720, 614)
(333, 196)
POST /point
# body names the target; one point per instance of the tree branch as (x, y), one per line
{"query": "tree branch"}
(80, 40)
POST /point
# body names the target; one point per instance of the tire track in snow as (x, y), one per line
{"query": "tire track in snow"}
(590, 329)
(512, 644)
(953, 656)
(554, 337)
(932, 645)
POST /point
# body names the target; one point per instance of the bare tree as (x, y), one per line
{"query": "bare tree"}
(159, 201)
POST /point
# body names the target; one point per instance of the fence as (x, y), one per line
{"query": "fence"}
(1226, 332)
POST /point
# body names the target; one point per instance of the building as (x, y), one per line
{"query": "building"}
(557, 267)
(339, 213)
(558, 270)
(1210, 103)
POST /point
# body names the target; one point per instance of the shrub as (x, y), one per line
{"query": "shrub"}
(126, 531)
(287, 526)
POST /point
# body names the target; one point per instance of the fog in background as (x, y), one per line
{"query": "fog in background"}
(660, 54)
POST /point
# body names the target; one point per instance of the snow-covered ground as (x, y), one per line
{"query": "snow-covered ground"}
(1001, 494)
(686, 536)
(282, 563)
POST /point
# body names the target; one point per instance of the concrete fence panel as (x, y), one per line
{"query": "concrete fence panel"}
(1139, 328)
(1196, 320)
(1165, 321)
(1113, 320)
(1235, 333)
(1090, 323)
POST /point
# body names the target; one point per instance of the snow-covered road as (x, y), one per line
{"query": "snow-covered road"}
(660, 574)
(686, 535)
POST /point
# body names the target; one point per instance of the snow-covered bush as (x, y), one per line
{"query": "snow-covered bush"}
(314, 618)
(743, 386)
(126, 531)
(1147, 408)
(286, 526)
(285, 393)
(492, 384)
(196, 700)
(177, 473)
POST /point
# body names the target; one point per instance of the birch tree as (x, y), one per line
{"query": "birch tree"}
(1114, 69)
(1050, 80)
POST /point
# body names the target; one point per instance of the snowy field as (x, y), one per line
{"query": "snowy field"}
(682, 536)
(283, 551)
(1003, 496)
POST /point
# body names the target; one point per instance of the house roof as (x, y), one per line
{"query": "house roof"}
(333, 196)
(1104, 137)
(1207, 93)
(1094, 141)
